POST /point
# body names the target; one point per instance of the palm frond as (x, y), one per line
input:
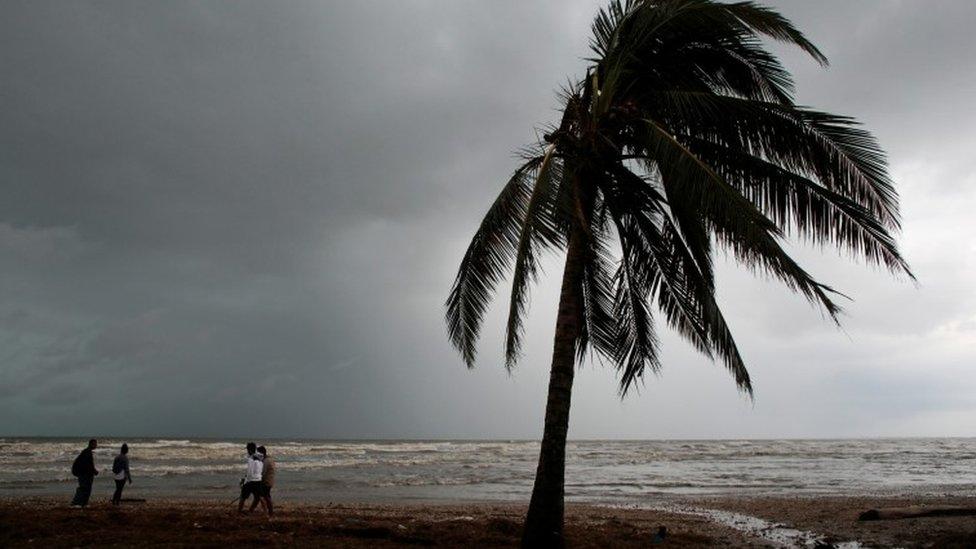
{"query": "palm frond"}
(797, 203)
(654, 257)
(772, 24)
(687, 291)
(487, 260)
(538, 229)
(693, 44)
(830, 148)
(637, 344)
(600, 326)
(734, 220)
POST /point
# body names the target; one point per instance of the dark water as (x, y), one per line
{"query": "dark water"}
(598, 471)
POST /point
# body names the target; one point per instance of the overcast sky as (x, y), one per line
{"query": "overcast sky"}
(242, 219)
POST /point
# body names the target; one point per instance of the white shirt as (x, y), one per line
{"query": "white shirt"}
(254, 470)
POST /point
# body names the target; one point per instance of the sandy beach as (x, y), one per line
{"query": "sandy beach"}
(834, 519)
(52, 523)
(791, 522)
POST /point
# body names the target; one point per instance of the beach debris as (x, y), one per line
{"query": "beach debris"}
(917, 511)
(662, 532)
(464, 518)
(779, 534)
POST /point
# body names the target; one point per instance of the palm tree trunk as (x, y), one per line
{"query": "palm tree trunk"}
(544, 521)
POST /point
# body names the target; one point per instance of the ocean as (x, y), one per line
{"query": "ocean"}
(612, 472)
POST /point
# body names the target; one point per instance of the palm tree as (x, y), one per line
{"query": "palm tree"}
(682, 137)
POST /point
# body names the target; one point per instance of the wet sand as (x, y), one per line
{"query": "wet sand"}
(48, 523)
(836, 519)
(51, 523)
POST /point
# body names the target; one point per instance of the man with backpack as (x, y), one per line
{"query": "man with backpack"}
(84, 468)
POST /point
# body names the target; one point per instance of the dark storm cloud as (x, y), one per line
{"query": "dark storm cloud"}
(209, 206)
(222, 202)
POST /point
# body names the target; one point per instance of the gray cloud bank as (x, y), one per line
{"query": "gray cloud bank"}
(238, 218)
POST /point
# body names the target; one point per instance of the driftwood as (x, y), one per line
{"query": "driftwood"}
(918, 511)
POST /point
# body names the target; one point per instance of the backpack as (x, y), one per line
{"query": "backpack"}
(76, 466)
(117, 465)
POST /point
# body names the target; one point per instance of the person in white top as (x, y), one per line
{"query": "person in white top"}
(120, 469)
(251, 483)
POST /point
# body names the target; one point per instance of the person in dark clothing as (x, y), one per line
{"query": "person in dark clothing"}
(120, 468)
(84, 469)
(267, 480)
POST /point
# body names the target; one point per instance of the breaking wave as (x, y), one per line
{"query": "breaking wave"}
(610, 471)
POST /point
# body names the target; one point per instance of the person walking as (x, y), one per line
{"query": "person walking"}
(267, 480)
(84, 469)
(120, 468)
(251, 483)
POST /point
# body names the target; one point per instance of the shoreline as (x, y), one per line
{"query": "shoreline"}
(747, 521)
